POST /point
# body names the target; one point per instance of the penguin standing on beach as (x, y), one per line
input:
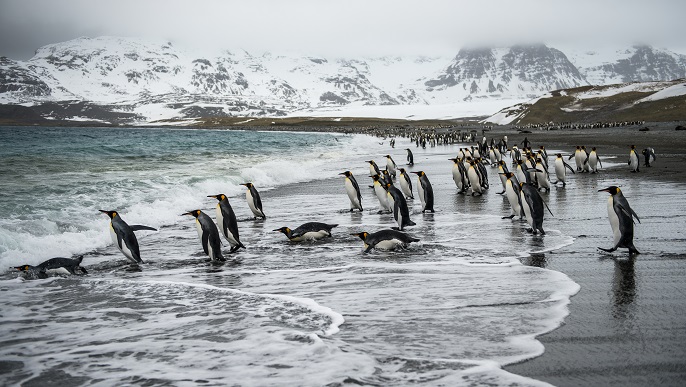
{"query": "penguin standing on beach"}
(353, 190)
(533, 206)
(459, 175)
(254, 201)
(410, 157)
(373, 168)
(649, 155)
(405, 183)
(633, 159)
(593, 160)
(226, 220)
(426, 192)
(123, 236)
(512, 189)
(385, 240)
(208, 234)
(475, 179)
(391, 167)
(560, 172)
(401, 213)
(380, 191)
(621, 219)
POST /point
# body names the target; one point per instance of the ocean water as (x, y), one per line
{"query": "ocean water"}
(452, 309)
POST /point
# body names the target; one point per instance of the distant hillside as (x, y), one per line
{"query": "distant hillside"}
(644, 101)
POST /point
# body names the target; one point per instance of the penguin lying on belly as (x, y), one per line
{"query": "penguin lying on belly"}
(53, 265)
(310, 231)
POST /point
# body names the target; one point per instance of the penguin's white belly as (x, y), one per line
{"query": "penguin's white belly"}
(542, 178)
(527, 210)
(311, 236)
(614, 220)
(390, 167)
(405, 187)
(381, 195)
(123, 248)
(520, 174)
(352, 194)
(634, 161)
(560, 170)
(198, 228)
(578, 161)
(389, 244)
(58, 271)
(503, 178)
(474, 180)
(372, 170)
(593, 161)
(512, 198)
(420, 190)
(251, 204)
(457, 177)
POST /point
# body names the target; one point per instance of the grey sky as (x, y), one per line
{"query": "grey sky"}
(346, 27)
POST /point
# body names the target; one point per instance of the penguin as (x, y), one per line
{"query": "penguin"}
(512, 189)
(633, 159)
(532, 205)
(208, 234)
(459, 175)
(578, 161)
(426, 192)
(621, 219)
(226, 220)
(401, 213)
(353, 190)
(474, 179)
(254, 201)
(410, 157)
(391, 167)
(502, 169)
(385, 240)
(310, 231)
(483, 173)
(542, 178)
(593, 160)
(53, 265)
(123, 236)
(649, 155)
(386, 177)
(405, 183)
(586, 167)
(560, 172)
(373, 168)
(380, 191)
(520, 170)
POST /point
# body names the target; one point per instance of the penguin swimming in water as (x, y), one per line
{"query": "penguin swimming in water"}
(310, 231)
(621, 219)
(401, 213)
(633, 159)
(254, 201)
(226, 220)
(391, 167)
(410, 157)
(426, 192)
(353, 190)
(123, 236)
(649, 155)
(53, 265)
(208, 234)
(405, 184)
(385, 240)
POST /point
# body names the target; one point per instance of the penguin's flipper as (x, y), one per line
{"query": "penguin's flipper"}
(568, 167)
(546, 205)
(368, 249)
(205, 241)
(83, 270)
(629, 213)
(138, 227)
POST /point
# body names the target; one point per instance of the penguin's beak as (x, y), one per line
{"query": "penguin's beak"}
(187, 213)
(103, 211)
(212, 196)
(604, 190)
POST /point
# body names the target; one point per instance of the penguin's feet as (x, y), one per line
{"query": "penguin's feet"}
(530, 230)
(607, 250)
(500, 193)
(507, 217)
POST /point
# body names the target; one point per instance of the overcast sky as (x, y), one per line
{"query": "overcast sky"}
(346, 27)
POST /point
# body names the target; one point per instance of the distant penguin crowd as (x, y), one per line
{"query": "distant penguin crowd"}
(524, 179)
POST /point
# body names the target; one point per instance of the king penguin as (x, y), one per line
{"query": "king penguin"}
(310, 231)
(459, 175)
(380, 191)
(373, 168)
(254, 201)
(512, 189)
(226, 220)
(560, 172)
(649, 156)
(353, 190)
(53, 265)
(621, 219)
(426, 192)
(410, 157)
(405, 184)
(391, 167)
(208, 234)
(123, 236)
(533, 206)
(633, 159)
(594, 160)
(385, 240)
(401, 212)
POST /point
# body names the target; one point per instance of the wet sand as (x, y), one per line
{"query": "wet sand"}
(627, 324)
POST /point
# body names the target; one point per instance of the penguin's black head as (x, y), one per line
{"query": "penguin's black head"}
(375, 177)
(418, 173)
(388, 156)
(612, 190)
(284, 230)
(194, 213)
(507, 174)
(559, 155)
(111, 214)
(247, 184)
(370, 161)
(633, 147)
(346, 173)
(362, 235)
(402, 170)
(219, 197)
(593, 149)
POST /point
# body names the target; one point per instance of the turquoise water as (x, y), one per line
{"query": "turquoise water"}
(450, 310)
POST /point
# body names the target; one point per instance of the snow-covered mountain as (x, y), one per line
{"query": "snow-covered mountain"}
(151, 81)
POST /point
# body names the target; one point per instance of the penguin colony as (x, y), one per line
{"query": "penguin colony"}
(522, 188)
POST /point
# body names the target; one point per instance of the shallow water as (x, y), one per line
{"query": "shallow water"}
(450, 310)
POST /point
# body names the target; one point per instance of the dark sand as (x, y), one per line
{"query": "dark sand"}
(627, 324)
